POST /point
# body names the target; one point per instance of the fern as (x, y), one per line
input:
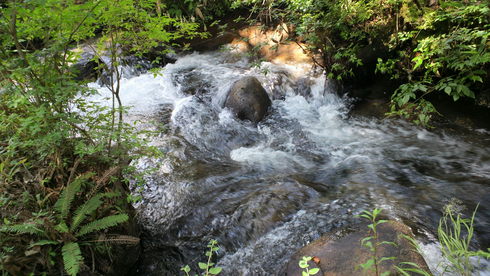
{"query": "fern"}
(43, 242)
(24, 228)
(88, 207)
(119, 239)
(102, 224)
(72, 258)
(63, 204)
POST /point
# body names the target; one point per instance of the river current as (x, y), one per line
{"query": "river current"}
(263, 191)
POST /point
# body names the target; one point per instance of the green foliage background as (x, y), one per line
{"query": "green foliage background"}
(438, 47)
(46, 144)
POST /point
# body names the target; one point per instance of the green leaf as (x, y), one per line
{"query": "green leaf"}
(314, 271)
(448, 90)
(304, 273)
(63, 204)
(476, 78)
(215, 270)
(369, 245)
(303, 264)
(388, 243)
(365, 216)
(25, 228)
(368, 264)
(186, 269)
(366, 239)
(72, 258)
(386, 259)
(418, 61)
(400, 270)
(62, 227)
(43, 242)
(102, 224)
(203, 266)
(86, 209)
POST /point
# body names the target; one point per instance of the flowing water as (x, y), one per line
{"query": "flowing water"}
(264, 191)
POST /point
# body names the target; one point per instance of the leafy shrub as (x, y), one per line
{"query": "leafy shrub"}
(50, 133)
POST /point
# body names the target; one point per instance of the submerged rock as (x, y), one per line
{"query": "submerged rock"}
(341, 253)
(192, 82)
(248, 99)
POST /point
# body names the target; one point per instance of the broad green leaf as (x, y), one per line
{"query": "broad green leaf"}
(314, 271)
(186, 269)
(215, 270)
(448, 90)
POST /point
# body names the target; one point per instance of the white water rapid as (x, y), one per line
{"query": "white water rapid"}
(264, 191)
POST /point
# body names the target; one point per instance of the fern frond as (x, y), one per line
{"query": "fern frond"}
(24, 228)
(72, 258)
(63, 204)
(104, 179)
(119, 239)
(43, 242)
(102, 224)
(87, 208)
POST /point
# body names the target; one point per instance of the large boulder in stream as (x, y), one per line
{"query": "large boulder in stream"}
(248, 99)
(341, 253)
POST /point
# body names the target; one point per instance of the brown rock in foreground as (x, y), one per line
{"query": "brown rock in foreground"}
(341, 253)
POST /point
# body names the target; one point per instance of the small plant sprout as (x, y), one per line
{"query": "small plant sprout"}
(303, 263)
(209, 267)
(372, 243)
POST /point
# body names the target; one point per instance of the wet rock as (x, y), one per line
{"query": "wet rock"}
(333, 86)
(248, 99)
(303, 87)
(192, 82)
(86, 68)
(483, 98)
(340, 253)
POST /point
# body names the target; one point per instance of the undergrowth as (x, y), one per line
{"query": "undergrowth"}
(455, 234)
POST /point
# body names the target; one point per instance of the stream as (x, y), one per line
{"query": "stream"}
(264, 191)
